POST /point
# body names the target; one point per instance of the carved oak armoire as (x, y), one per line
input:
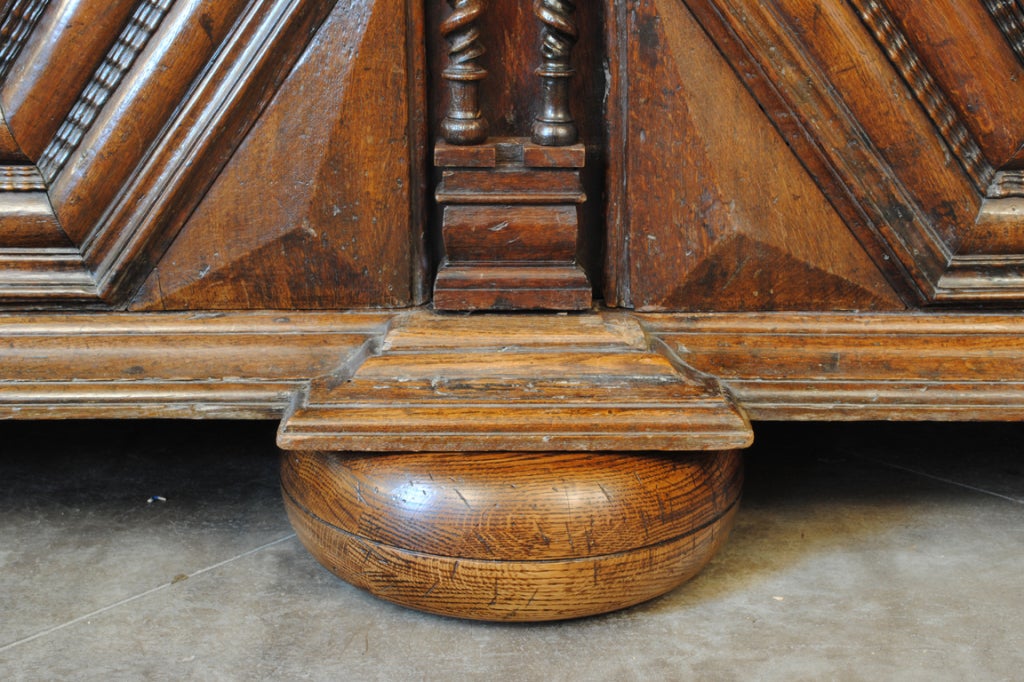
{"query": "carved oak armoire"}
(518, 279)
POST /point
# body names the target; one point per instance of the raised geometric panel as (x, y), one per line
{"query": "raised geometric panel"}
(906, 115)
(737, 223)
(324, 181)
(960, 46)
(127, 112)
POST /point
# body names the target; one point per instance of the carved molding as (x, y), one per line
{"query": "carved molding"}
(523, 382)
(927, 91)
(21, 179)
(1009, 16)
(241, 365)
(1006, 184)
(18, 22)
(953, 244)
(141, 26)
(773, 366)
(150, 199)
(857, 367)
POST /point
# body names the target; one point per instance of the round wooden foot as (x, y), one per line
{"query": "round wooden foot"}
(513, 536)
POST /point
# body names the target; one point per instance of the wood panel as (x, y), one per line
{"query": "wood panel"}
(858, 367)
(903, 115)
(130, 126)
(240, 366)
(324, 220)
(738, 224)
(567, 388)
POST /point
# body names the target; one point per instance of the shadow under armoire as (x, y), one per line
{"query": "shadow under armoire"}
(517, 279)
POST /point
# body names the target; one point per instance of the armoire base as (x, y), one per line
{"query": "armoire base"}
(513, 536)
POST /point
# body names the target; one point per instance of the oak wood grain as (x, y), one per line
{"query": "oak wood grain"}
(555, 395)
(513, 536)
(858, 367)
(708, 207)
(247, 366)
(337, 221)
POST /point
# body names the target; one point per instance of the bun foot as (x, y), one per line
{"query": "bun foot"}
(513, 536)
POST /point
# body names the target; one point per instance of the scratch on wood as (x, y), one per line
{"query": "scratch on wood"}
(483, 542)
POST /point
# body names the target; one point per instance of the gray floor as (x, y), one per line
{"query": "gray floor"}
(873, 552)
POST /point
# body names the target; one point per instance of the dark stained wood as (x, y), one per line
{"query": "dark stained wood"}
(960, 46)
(65, 46)
(511, 286)
(858, 367)
(561, 391)
(341, 227)
(463, 123)
(510, 233)
(130, 126)
(27, 220)
(861, 159)
(238, 366)
(883, 105)
(510, 224)
(553, 126)
(10, 152)
(697, 220)
(511, 95)
(513, 536)
(775, 366)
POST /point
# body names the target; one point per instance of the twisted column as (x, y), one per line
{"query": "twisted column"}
(463, 124)
(554, 126)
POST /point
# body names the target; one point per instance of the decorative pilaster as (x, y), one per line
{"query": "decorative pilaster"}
(554, 126)
(463, 123)
(510, 226)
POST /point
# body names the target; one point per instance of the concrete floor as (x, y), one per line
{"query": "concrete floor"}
(863, 552)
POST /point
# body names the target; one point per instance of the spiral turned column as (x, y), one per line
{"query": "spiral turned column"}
(554, 126)
(464, 124)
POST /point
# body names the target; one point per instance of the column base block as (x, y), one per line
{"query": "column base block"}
(513, 536)
(512, 286)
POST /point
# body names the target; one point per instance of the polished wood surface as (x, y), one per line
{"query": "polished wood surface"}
(891, 108)
(858, 367)
(183, 164)
(777, 366)
(513, 536)
(237, 366)
(801, 210)
(527, 382)
(510, 226)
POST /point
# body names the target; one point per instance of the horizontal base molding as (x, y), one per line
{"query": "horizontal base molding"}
(402, 380)
(919, 366)
(512, 287)
(167, 365)
(576, 383)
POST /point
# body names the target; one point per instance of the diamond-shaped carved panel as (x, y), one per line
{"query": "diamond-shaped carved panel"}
(715, 212)
(124, 113)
